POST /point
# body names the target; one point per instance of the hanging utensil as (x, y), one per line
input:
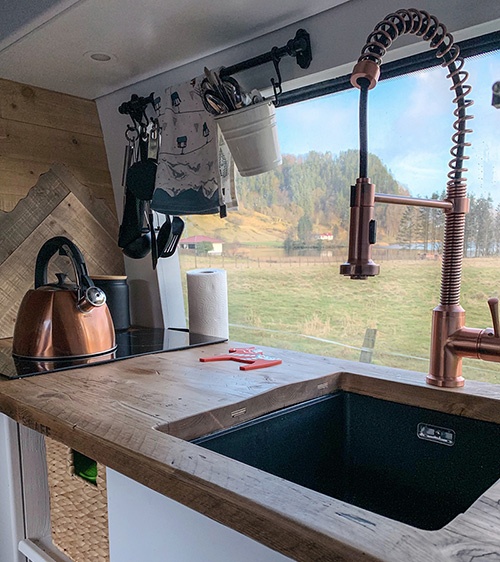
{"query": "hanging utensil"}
(233, 90)
(164, 235)
(176, 231)
(131, 134)
(214, 104)
(218, 88)
(222, 92)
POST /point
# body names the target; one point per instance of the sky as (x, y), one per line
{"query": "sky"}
(410, 123)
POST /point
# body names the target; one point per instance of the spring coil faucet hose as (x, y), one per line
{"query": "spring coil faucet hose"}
(367, 70)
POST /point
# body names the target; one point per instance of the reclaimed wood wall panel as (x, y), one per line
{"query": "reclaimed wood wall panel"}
(25, 218)
(54, 180)
(59, 205)
(39, 128)
(20, 102)
(17, 177)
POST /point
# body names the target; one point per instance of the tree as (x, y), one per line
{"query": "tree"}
(304, 229)
(429, 225)
(496, 230)
(407, 227)
(479, 239)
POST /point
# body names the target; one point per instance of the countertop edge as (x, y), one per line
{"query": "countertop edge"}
(172, 471)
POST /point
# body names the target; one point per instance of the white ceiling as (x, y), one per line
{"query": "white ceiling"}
(51, 48)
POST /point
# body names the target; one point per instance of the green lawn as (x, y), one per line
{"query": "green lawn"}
(310, 307)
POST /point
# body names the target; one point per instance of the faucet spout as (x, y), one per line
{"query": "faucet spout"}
(362, 232)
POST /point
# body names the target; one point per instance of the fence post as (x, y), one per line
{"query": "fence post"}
(366, 354)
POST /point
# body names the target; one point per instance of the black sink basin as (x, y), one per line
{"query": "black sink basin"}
(410, 464)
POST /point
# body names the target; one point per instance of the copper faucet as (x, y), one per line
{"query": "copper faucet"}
(451, 340)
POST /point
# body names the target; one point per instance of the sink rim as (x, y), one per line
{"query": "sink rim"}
(477, 400)
(406, 392)
(369, 453)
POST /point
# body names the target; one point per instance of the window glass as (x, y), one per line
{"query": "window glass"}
(283, 248)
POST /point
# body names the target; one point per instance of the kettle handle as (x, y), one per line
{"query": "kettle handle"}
(65, 247)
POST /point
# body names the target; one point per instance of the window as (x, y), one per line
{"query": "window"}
(283, 249)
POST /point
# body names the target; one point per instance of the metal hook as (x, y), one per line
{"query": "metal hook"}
(276, 85)
(131, 134)
(136, 108)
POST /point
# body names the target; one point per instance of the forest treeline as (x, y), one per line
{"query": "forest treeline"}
(424, 227)
(311, 193)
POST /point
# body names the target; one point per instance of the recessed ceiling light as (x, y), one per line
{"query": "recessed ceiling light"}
(100, 57)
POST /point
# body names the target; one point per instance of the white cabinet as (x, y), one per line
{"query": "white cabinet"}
(24, 499)
(145, 525)
(11, 505)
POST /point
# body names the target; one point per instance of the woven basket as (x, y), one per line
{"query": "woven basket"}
(78, 508)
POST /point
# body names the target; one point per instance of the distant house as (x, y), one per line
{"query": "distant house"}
(192, 242)
(324, 236)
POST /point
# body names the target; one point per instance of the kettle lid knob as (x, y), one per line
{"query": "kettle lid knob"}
(61, 278)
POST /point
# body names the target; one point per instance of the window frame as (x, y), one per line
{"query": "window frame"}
(469, 48)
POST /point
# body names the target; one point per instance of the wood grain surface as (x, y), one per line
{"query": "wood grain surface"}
(39, 128)
(58, 205)
(134, 415)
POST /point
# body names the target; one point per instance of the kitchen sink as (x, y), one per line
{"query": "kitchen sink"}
(410, 464)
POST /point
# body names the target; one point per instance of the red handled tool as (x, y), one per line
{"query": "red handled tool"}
(254, 358)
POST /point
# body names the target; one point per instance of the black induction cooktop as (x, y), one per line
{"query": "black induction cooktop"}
(130, 343)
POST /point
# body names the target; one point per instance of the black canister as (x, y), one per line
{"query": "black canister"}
(117, 295)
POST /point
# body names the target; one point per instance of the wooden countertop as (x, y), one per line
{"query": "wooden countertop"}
(111, 413)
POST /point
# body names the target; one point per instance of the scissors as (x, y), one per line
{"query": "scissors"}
(213, 103)
(254, 358)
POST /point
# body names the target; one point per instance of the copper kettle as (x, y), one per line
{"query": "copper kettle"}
(62, 320)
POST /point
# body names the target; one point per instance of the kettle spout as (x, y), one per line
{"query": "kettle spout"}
(92, 297)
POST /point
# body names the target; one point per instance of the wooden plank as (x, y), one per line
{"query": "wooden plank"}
(17, 273)
(366, 354)
(417, 393)
(17, 225)
(17, 177)
(6, 367)
(8, 202)
(97, 241)
(47, 145)
(29, 104)
(99, 184)
(101, 213)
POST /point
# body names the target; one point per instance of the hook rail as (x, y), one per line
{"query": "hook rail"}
(298, 47)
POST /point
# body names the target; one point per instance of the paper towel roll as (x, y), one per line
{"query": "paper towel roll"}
(207, 302)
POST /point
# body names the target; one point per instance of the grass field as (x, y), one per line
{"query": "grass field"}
(309, 307)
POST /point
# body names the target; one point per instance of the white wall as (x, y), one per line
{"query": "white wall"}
(337, 37)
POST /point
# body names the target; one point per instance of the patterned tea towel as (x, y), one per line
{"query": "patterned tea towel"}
(195, 173)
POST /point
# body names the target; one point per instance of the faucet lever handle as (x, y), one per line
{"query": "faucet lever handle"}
(493, 304)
